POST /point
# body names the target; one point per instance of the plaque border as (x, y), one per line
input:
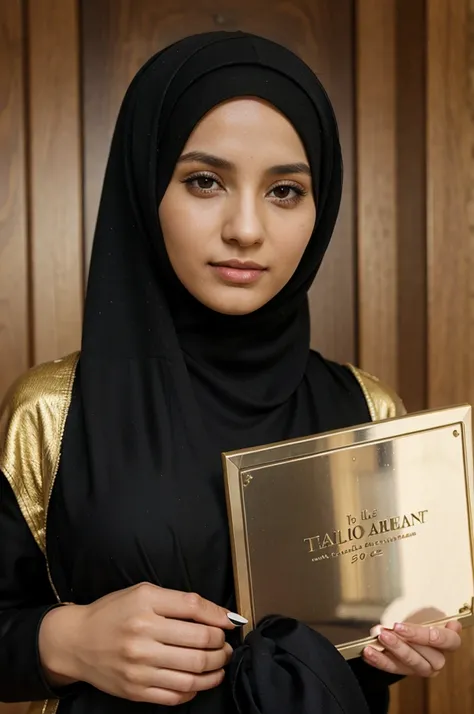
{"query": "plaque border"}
(237, 463)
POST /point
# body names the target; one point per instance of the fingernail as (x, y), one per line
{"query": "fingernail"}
(388, 637)
(403, 629)
(375, 631)
(237, 620)
(434, 634)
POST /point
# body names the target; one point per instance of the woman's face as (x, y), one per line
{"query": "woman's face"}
(239, 210)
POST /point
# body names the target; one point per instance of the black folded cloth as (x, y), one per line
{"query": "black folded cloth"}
(285, 667)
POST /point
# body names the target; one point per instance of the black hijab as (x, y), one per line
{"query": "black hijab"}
(165, 384)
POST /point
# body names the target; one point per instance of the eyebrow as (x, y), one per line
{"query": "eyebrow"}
(219, 163)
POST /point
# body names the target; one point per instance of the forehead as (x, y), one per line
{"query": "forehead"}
(246, 122)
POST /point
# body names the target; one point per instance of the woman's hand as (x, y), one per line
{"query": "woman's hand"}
(414, 649)
(145, 644)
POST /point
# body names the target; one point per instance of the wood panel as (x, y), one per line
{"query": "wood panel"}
(450, 148)
(411, 201)
(119, 35)
(55, 177)
(377, 188)
(391, 187)
(14, 337)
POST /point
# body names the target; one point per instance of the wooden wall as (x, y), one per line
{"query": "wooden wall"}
(450, 256)
(41, 243)
(395, 293)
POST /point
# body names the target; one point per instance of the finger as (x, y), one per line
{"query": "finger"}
(384, 661)
(186, 606)
(435, 657)
(189, 660)
(406, 655)
(165, 697)
(442, 638)
(455, 626)
(176, 681)
(189, 634)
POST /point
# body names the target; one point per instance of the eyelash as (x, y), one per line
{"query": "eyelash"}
(299, 191)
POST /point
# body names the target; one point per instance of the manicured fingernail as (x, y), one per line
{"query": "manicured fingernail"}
(375, 631)
(388, 637)
(403, 629)
(434, 634)
(237, 620)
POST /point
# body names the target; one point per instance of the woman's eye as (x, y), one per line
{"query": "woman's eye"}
(204, 182)
(282, 191)
(287, 195)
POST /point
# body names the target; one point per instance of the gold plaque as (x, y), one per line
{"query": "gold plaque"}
(356, 527)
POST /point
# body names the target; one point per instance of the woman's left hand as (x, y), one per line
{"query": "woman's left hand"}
(414, 649)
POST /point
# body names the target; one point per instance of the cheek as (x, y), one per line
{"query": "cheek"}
(291, 239)
(187, 229)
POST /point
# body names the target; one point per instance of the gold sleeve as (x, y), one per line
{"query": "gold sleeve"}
(32, 419)
(382, 401)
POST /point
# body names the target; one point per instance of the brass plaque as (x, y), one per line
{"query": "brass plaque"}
(352, 528)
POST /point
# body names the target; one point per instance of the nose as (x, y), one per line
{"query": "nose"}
(243, 223)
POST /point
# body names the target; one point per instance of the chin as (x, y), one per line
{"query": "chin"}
(233, 300)
(232, 307)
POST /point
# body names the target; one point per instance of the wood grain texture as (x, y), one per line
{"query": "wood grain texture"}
(411, 201)
(450, 204)
(376, 188)
(450, 215)
(55, 177)
(14, 338)
(119, 35)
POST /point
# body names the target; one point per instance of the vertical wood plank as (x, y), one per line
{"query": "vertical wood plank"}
(333, 295)
(450, 203)
(376, 186)
(55, 176)
(411, 202)
(14, 339)
(450, 215)
(119, 35)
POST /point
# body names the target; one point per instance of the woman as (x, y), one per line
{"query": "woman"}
(220, 197)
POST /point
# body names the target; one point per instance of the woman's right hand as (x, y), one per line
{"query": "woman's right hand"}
(145, 644)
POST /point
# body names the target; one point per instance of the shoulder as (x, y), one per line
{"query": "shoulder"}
(38, 397)
(383, 402)
(360, 395)
(43, 383)
(32, 418)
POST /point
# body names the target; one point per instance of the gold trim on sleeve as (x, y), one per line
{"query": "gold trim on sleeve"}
(382, 401)
(32, 420)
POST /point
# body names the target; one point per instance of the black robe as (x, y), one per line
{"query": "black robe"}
(80, 574)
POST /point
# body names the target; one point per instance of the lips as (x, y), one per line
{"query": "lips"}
(238, 272)
(239, 265)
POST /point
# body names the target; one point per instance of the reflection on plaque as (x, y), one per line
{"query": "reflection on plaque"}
(357, 527)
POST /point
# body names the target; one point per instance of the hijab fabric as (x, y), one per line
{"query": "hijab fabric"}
(165, 384)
